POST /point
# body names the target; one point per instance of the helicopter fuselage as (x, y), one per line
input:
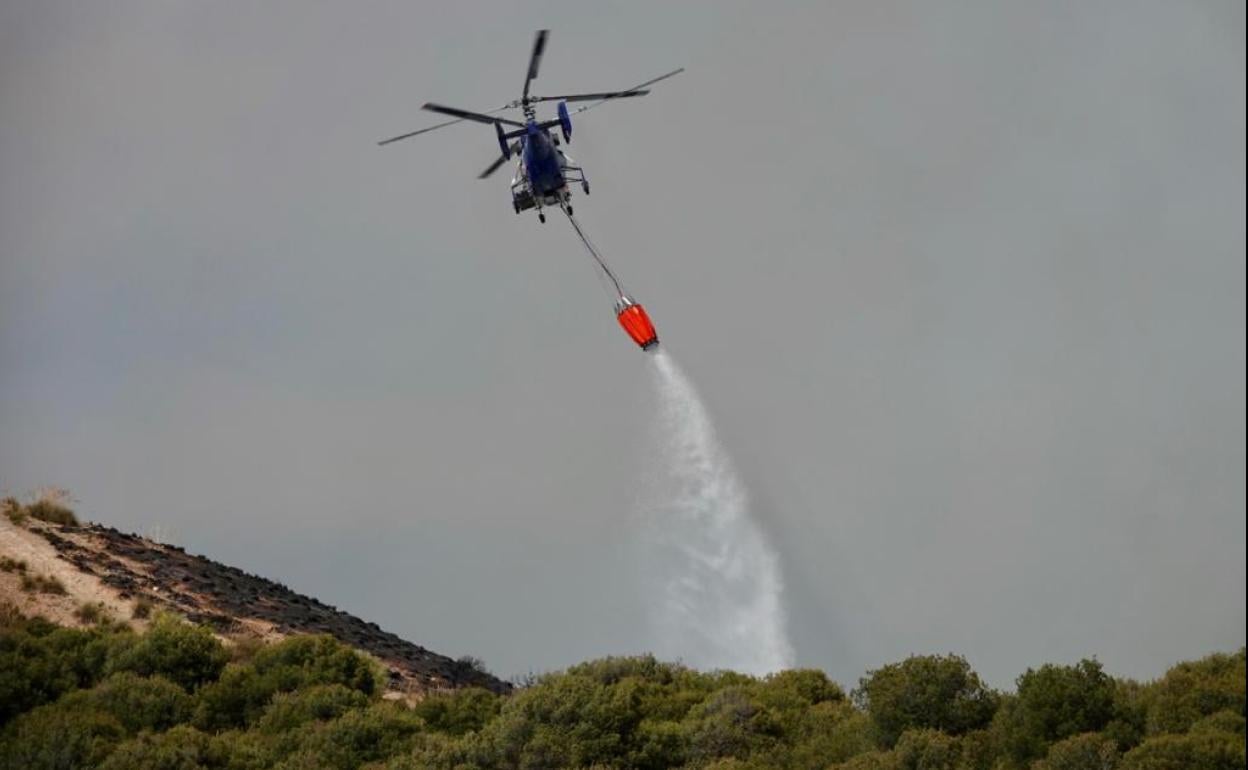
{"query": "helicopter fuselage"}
(543, 162)
(544, 171)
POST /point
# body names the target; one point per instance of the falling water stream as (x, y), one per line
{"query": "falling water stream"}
(718, 593)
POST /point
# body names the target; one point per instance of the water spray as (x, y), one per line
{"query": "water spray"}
(717, 577)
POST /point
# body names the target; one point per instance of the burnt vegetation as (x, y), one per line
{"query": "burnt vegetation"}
(161, 577)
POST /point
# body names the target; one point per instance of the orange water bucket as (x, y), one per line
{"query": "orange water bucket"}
(636, 323)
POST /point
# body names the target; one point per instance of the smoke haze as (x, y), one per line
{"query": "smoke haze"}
(962, 285)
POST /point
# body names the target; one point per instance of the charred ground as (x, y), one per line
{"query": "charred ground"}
(129, 577)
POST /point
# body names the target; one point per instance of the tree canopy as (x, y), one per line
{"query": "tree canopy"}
(176, 697)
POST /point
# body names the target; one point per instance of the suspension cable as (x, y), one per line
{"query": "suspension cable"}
(593, 251)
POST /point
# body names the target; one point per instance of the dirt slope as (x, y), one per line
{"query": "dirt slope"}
(98, 564)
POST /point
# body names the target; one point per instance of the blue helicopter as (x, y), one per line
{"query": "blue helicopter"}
(544, 169)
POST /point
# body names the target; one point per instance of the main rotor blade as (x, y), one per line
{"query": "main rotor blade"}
(384, 142)
(588, 97)
(535, 59)
(637, 87)
(498, 162)
(466, 115)
(427, 129)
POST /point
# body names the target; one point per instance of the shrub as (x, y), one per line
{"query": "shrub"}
(828, 732)
(1199, 751)
(1196, 689)
(1130, 714)
(1054, 703)
(459, 711)
(469, 667)
(51, 504)
(1089, 751)
(613, 669)
(938, 692)
(14, 510)
(137, 703)
(872, 760)
(43, 584)
(181, 747)
(11, 616)
(142, 608)
(311, 704)
(91, 613)
(186, 654)
(1225, 721)
(567, 720)
(51, 512)
(59, 736)
(318, 659)
(731, 724)
(977, 751)
(809, 685)
(926, 749)
(13, 565)
(40, 661)
(246, 647)
(360, 735)
(239, 696)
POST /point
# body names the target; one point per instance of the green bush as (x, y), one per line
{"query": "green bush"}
(830, 731)
(1225, 721)
(182, 748)
(368, 734)
(1054, 703)
(1197, 751)
(108, 697)
(926, 749)
(138, 703)
(40, 661)
(56, 736)
(243, 690)
(1089, 751)
(730, 723)
(871, 760)
(317, 703)
(186, 654)
(1196, 689)
(938, 692)
(460, 711)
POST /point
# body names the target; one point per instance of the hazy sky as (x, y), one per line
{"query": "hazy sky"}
(962, 283)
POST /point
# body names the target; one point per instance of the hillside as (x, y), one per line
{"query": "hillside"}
(55, 570)
(92, 674)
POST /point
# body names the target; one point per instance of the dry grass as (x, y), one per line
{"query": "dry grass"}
(50, 504)
(10, 614)
(41, 584)
(12, 508)
(92, 613)
(142, 608)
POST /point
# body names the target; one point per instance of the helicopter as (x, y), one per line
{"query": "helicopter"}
(544, 169)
